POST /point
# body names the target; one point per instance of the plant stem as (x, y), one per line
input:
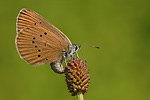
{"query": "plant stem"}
(80, 96)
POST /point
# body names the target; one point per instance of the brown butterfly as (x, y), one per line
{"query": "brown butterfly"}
(39, 42)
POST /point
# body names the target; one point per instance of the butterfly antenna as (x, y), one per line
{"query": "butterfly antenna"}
(89, 45)
(83, 55)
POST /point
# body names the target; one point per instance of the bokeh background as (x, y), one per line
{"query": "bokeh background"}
(120, 70)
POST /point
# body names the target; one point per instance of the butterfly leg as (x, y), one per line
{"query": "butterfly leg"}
(65, 60)
(77, 55)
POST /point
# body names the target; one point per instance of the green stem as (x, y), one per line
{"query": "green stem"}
(80, 96)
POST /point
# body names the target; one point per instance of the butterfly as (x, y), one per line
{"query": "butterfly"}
(39, 42)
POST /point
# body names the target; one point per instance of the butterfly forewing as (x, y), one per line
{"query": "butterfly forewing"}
(33, 18)
(37, 40)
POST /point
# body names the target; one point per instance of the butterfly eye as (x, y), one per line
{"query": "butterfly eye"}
(76, 48)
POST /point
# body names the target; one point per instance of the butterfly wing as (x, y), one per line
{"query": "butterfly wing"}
(37, 40)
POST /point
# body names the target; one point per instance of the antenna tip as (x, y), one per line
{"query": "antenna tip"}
(97, 47)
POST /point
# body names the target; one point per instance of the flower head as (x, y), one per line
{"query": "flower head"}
(77, 76)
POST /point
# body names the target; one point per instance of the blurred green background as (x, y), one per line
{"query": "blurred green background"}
(120, 70)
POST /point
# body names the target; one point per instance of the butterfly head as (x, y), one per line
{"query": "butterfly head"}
(72, 50)
(75, 48)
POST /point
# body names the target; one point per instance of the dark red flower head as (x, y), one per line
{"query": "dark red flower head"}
(77, 76)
